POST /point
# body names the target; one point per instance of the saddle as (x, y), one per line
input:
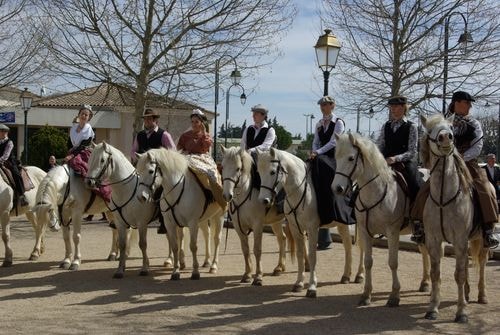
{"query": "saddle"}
(9, 179)
(398, 168)
(212, 190)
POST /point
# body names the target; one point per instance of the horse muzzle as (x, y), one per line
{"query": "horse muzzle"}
(144, 197)
(228, 196)
(339, 189)
(91, 183)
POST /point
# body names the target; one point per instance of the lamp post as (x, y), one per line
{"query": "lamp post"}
(309, 120)
(311, 124)
(370, 115)
(235, 78)
(243, 99)
(464, 39)
(26, 99)
(327, 51)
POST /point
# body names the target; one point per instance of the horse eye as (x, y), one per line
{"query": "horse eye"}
(102, 160)
(273, 173)
(351, 158)
(151, 171)
(238, 169)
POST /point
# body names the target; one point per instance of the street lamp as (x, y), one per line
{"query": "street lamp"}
(243, 99)
(370, 115)
(235, 79)
(327, 52)
(464, 39)
(26, 99)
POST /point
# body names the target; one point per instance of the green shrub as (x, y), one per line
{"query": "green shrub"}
(45, 142)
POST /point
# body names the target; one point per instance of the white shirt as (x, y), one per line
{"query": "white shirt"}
(84, 134)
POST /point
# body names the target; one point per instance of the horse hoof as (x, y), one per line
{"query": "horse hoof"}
(277, 273)
(175, 276)
(206, 264)
(112, 257)
(118, 275)
(364, 301)
(6, 264)
(144, 273)
(462, 318)
(482, 300)
(33, 257)
(307, 269)
(245, 279)
(195, 276)
(297, 288)
(311, 294)
(74, 267)
(257, 282)
(424, 287)
(359, 279)
(431, 315)
(393, 302)
(168, 265)
(64, 265)
(345, 280)
(213, 270)
(182, 266)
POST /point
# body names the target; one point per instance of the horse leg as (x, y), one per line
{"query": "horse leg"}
(173, 234)
(347, 242)
(113, 254)
(216, 231)
(481, 285)
(313, 242)
(301, 246)
(181, 241)
(193, 230)
(39, 233)
(281, 238)
(366, 241)
(169, 262)
(360, 275)
(393, 246)
(257, 251)
(66, 262)
(426, 276)
(204, 227)
(121, 231)
(5, 217)
(245, 250)
(461, 259)
(77, 236)
(143, 245)
(435, 252)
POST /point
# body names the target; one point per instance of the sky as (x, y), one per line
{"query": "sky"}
(292, 85)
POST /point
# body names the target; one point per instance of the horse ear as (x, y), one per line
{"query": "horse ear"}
(92, 144)
(241, 151)
(352, 139)
(423, 119)
(138, 155)
(450, 118)
(104, 145)
(273, 153)
(337, 136)
(223, 149)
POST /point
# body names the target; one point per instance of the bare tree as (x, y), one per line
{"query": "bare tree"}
(168, 46)
(397, 47)
(21, 54)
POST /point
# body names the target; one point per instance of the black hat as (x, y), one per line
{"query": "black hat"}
(461, 95)
(397, 100)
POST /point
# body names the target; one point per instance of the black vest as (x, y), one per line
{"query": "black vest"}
(396, 143)
(324, 137)
(11, 157)
(254, 142)
(463, 141)
(145, 143)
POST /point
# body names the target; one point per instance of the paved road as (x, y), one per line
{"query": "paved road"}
(39, 297)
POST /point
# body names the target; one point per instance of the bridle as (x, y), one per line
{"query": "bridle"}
(156, 172)
(349, 176)
(233, 206)
(109, 161)
(280, 171)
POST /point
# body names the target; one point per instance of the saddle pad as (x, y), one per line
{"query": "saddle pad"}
(402, 182)
(28, 184)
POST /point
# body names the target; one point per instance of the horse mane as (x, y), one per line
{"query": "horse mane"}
(370, 152)
(170, 160)
(246, 160)
(425, 153)
(48, 188)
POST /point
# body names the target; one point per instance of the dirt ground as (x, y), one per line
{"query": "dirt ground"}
(38, 297)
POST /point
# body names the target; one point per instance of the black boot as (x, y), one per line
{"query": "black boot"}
(490, 240)
(162, 229)
(418, 235)
(23, 201)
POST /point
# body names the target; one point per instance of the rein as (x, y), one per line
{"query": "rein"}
(235, 208)
(171, 207)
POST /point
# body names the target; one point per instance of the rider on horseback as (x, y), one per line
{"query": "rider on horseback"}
(8, 160)
(468, 139)
(398, 143)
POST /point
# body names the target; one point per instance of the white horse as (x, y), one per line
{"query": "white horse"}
(448, 214)
(248, 213)
(381, 206)
(281, 169)
(183, 202)
(109, 165)
(7, 209)
(66, 194)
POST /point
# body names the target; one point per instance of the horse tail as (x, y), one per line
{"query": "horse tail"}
(477, 252)
(290, 241)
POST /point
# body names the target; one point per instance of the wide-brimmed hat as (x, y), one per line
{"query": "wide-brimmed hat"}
(87, 107)
(260, 108)
(326, 100)
(397, 100)
(150, 112)
(461, 95)
(4, 127)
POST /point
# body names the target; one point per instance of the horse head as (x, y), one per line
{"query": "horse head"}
(438, 138)
(272, 174)
(237, 164)
(150, 175)
(349, 162)
(99, 164)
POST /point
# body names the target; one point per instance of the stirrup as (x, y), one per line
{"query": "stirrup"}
(490, 241)
(418, 235)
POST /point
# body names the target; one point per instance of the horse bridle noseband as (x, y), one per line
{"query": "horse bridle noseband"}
(349, 176)
(279, 170)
